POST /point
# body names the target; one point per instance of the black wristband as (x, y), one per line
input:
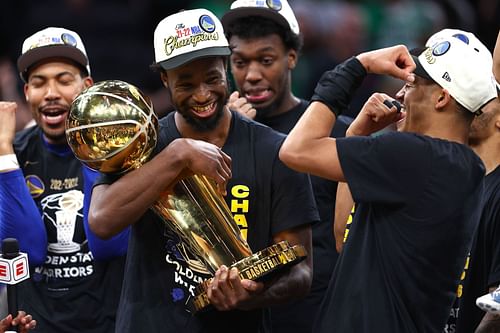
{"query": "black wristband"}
(336, 87)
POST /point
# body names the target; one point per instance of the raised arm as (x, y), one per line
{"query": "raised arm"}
(116, 206)
(19, 215)
(308, 147)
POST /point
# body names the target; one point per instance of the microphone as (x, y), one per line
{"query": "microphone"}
(13, 269)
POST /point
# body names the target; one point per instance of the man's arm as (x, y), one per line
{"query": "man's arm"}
(227, 291)
(19, 215)
(308, 147)
(116, 206)
(101, 249)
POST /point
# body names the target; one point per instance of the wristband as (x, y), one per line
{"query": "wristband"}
(8, 162)
(336, 87)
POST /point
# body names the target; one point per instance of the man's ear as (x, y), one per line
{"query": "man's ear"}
(164, 79)
(292, 59)
(444, 98)
(88, 81)
(25, 87)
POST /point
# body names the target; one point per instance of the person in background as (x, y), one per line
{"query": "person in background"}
(482, 269)
(42, 194)
(265, 42)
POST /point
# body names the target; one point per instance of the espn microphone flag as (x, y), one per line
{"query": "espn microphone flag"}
(13, 265)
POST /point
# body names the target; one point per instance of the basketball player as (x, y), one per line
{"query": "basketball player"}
(270, 202)
(41, 194)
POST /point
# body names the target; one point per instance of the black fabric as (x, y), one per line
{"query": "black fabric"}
(418, 204)
(265, 198)
(483, 271)
(71, 292)
(296, 316)
(336, 87)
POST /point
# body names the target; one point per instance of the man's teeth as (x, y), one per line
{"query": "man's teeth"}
(205, 108)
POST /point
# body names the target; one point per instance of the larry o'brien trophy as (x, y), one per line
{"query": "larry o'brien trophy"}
(112, 128)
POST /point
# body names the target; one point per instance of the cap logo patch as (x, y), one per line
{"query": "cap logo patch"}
(441, 48)
(207, 23)
(68, 39)
(191, 36)
(274, 4)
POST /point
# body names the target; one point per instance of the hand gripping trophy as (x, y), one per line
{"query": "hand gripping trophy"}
(112, 128)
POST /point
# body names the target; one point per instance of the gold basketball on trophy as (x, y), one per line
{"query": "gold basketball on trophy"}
(112, 127)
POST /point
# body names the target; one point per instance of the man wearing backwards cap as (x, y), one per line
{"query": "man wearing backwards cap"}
(42, 190)
(265, 41)
(269, 201)
(418, 190)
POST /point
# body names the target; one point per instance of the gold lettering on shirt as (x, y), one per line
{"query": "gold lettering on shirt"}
(63, 184)
(239, 206)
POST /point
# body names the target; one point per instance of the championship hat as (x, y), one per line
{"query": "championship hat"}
(50, 43)
(465, 36)
(276, 10)
(464, 71)
(188, 35)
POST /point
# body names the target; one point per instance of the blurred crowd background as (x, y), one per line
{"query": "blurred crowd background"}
(118, 36)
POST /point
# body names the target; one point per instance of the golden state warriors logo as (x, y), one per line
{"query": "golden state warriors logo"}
(68, 39)
(274, 4)
(35, 185)
(441, 48)
(207, 23)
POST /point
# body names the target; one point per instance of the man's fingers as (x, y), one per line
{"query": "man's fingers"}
(392, 103)
(234, 96)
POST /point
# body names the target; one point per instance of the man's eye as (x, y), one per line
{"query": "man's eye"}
(267, 61)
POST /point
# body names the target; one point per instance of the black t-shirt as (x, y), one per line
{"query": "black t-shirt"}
(418, 205)
(483, 270)
(70, 292)
(296, 316)
(265, 198)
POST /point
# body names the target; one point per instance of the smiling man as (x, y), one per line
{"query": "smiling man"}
(42, 193)
(270, 202)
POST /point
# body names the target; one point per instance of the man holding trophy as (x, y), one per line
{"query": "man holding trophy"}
(270, 203)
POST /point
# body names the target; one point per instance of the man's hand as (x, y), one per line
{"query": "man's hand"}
(241, 105)
(23, 321)
(375, 115)
(395, 61)
(204, 158)
(226, 291)
(7, 127)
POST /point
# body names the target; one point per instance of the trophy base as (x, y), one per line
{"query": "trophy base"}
(256, 266)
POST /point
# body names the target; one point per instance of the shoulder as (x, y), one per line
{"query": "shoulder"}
(256, 131)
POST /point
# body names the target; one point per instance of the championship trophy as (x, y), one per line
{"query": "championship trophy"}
(112, 128)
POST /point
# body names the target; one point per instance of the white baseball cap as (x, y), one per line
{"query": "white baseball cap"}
(189, 35)
(464, 71)
(50, 43)
(467, 37)
(276, 10)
